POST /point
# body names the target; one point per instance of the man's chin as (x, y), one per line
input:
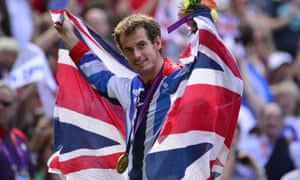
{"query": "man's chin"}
(141, 70)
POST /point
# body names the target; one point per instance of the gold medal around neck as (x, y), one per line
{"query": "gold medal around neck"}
(122, 163)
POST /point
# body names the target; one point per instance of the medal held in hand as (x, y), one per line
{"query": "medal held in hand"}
(122, 163)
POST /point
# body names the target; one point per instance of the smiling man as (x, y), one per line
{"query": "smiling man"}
(138, 37)
(148, 98)
(141, 44)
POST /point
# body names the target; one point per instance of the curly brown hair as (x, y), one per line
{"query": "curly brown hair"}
(132, 22)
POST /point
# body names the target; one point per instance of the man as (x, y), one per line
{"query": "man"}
(15, 158)
(141, 44)
(146, 98)
(269, 148)
(98, 18)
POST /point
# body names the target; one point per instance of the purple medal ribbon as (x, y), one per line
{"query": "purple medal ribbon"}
(148, 99)
(19, 151)
(145, 105)
(199, 10)
(180, 22)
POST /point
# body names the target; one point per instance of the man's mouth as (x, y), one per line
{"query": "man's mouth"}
(141, 62)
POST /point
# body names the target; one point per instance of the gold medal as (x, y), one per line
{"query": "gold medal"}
(122, 163)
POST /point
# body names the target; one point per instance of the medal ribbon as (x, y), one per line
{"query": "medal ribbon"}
(147, 100)
(123, 160)
(198, 11)
(18, 149)
(145, 105)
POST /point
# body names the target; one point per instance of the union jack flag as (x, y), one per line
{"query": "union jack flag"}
(196, 135)
(89, 131)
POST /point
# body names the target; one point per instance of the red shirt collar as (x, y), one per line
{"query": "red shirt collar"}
(168, 68)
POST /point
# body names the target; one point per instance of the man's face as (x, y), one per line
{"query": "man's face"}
(7, 107)
(272, 120)
(7, 59)
(97, 19)
(143, 55)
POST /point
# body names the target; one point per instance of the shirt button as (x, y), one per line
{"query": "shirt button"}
(165, 85)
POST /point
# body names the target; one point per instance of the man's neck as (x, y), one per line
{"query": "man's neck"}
(152, 75)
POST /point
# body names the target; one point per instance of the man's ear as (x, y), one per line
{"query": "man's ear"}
(158, 42)
(118, 46)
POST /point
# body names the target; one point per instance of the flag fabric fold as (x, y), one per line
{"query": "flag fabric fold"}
(195, 137)
(197, 134)
(89, 131)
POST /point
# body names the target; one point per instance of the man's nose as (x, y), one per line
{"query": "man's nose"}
(137, 53)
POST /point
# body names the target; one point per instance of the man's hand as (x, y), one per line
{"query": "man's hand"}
(66, 32)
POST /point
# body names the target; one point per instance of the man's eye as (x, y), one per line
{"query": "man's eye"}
(142, 45)
(126, 51)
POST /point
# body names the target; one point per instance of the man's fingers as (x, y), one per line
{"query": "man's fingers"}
(58, 26)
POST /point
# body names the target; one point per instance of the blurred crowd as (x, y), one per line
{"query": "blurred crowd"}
(263, 35)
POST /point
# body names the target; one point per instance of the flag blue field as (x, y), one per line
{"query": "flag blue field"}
(89, 131)
(196, 136)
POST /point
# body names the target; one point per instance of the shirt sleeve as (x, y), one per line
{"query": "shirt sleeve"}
(108, 84)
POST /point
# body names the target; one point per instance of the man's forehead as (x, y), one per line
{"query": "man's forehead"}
(133, 38)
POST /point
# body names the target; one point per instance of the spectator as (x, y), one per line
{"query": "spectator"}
(267, 145)
(5, 29)
(15, 156)
(227, 24)
(264, 45)
(41, 145)
(287, 94)
(241, 165)
(19, 19)
(257, 90)
(126, 7)
(287, 37)
(296, 66)
(8, 54)
(256, 16)
(279, 64)
(29, 109)
(98, 18)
